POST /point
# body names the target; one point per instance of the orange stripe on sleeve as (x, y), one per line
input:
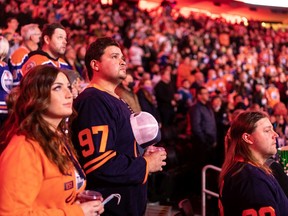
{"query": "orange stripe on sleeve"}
(135, 149)
(101, 157)
(101, 163)
(146, 174)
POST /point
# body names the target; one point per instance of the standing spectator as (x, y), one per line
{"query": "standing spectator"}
(31, 37)
(258, 95)
(48, 178)
(77, 83)
(184, 71)
(103, 134)
(40, 9)
(246, 182)
(211, 83)
(136, 53)
(6, 79)
(147, 58)
(25, 14)
(281, 85)
(163, 53)
(125, 90)
(204, 134)
(278, 120)
(137, 74)
(240, 102)
(70, 57)
(11, 8)
(185, 97)
(164, 93)
(53, 41)
(147, 99)
(80, 61)
(155, 74)
(272, 95)
(199, 82)
(222, 125)
(10, 32)
(242, 85)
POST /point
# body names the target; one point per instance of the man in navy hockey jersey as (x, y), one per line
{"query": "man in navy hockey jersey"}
(103, 135)
(247, 185)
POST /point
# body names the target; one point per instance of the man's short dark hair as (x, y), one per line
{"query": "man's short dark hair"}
(96, 50)
(48, 30)
(199, 90)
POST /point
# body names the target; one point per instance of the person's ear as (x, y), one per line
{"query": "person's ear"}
(247, 138)
(46, 39)
(94, 65)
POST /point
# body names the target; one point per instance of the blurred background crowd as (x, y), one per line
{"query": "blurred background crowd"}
(169, 57)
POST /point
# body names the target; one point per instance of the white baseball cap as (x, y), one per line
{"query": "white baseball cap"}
(145, 129)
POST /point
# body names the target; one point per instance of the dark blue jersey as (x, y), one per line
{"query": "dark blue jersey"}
(5, 87)
(247, 191)
(103, 137)
(15, 63)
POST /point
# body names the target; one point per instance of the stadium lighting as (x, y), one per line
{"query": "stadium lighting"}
(268, 3)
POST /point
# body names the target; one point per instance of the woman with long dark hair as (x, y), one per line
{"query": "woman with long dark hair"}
(40, 174)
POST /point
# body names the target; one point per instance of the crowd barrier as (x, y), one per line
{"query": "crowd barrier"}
(206, 191)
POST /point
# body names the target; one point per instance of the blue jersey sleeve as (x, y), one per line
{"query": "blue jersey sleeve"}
(104, 140)
(5, 86)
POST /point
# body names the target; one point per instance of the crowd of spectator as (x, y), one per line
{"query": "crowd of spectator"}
(170, 56)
